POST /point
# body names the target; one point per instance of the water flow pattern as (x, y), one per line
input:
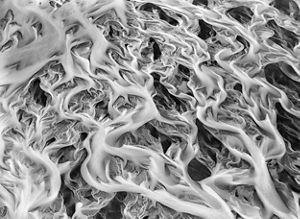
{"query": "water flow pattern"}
(154, 109)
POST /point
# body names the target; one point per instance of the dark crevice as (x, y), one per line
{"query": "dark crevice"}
(155, 76)
(83, 136)
(209, 145)
(243, 41)
(238, 87)
(206, 30)
(39, 28)
(185, 70)
(68, 199)
(149, 7)
(66, 154)
(57, 67)
(50, 141)
(120, 196)
(101, 109)
(275, 75)
(164, 99)
(197, 171)
(153, 131)
(166, 142)
(205, 136)
(280, 75)
(75, 173)
(288, 7)
(98, 216)
(114, 31)
(156, 49)
(288, 179)
(200, 2)
(242, 14)
(282, 36)
(211, 62)
(38, 94)
(288, 126)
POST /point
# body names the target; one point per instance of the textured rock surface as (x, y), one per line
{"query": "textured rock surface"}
(149, 109)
